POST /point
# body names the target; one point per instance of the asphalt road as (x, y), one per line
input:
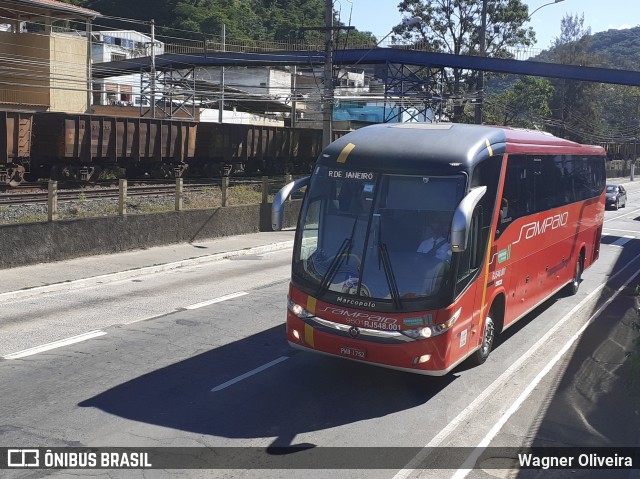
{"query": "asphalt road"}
(197, 357)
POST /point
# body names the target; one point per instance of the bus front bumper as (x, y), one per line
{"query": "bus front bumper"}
(427, 356)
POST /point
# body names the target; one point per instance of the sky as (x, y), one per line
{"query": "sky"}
(380, 16)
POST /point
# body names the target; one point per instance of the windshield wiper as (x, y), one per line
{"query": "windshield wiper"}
(388, 274)
(336, 262)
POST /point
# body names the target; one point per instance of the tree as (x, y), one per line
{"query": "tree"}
(525, 104)
(453, 26)
(576, 112)
(620, 107)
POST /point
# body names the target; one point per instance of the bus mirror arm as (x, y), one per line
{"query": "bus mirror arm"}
(462, 218)
(278, 202)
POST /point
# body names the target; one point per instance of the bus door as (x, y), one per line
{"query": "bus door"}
(513, 249)
(474, 284)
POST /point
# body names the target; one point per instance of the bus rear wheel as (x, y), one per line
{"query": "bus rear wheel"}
(488, 335)
(574, 285)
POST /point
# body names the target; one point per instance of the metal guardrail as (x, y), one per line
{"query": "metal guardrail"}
(253, 46)
(265, 187)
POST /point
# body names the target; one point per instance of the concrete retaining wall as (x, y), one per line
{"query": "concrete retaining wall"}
(23, 244)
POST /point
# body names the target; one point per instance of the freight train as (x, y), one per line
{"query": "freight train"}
(63, 146)
(628, 150)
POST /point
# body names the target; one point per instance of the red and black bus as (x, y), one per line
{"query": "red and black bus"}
(418, 243)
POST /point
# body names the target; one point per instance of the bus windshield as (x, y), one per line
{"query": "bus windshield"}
(377, 236)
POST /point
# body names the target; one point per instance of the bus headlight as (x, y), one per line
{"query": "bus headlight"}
(446, 326)
(419, 333)
(298, 310)
(435, 330)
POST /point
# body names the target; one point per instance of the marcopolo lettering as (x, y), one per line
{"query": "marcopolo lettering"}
(356, 302)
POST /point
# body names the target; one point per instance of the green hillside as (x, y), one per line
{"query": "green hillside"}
(611, 49)
(617, 48)
(257, 20)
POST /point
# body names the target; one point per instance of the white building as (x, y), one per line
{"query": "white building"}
(117, 45)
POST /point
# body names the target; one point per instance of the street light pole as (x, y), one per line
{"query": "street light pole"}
(327, 101)
(541, 6)
(406, 22)
(483, 52)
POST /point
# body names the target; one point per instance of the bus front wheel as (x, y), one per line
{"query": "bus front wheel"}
(488, 335)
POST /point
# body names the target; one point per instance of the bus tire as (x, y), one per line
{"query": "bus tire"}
(488, 336)
(574, 285)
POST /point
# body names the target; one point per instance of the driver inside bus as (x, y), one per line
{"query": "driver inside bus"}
(435, 256)
(436, 243)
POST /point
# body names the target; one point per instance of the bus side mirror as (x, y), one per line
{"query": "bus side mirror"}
(462, 219)
(278, 202)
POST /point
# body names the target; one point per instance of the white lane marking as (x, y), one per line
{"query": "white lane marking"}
(467, 467)
(55, 345)
(622, 216)
(467, 412)
(609, 231)
(249, 374)
(216, 300)
(622, 241)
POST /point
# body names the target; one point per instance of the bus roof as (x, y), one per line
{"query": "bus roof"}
(410, 145)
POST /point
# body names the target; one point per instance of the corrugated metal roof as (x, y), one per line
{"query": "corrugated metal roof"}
(60, 6)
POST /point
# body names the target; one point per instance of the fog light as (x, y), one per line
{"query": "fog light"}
(296, 334)
(422, 359)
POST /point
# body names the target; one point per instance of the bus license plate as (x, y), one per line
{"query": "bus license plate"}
(353, 352)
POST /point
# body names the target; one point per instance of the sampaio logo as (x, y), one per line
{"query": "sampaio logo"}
(537, 228)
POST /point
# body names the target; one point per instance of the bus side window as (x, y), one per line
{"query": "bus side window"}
(516, 198)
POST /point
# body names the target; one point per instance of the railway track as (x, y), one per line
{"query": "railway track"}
(34, 195)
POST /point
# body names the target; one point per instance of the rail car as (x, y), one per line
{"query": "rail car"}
(621, 150)
(15, 146)
(223, 149)
(79, 147)
(67, 146)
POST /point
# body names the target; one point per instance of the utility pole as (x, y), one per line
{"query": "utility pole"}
(152, 71)
(327, 95)
(224, 49)
(294, 93)
(89, 65)
(327, 100)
